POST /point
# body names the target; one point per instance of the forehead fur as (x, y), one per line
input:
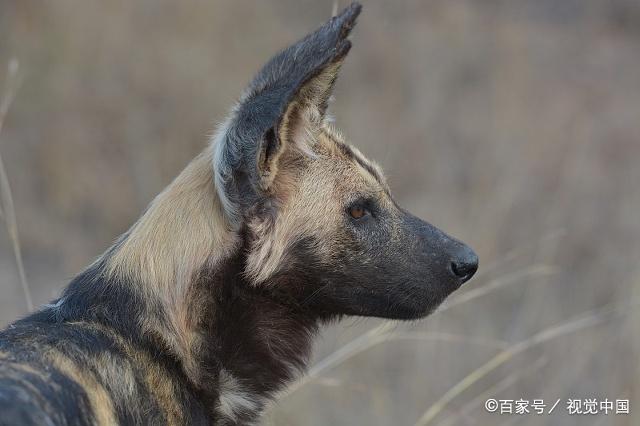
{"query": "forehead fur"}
(331, 139)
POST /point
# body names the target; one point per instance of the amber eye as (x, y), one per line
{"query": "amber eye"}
(357, 212)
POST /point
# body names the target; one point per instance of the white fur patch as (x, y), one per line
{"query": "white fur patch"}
(233, 399)
(54, 305)
(222, 171)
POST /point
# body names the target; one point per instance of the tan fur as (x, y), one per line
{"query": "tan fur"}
(24, 368)
(333, 138)
(157, 380)
(301, 122)
(182, 232)
(99, 399)
(163, 388)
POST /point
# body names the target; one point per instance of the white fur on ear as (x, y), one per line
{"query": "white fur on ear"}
(223, 173)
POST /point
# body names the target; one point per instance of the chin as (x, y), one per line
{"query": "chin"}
(424, 302)
(412, 313)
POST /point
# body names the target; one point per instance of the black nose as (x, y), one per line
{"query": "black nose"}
(464, 264)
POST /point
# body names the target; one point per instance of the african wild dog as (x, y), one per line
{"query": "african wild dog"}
(207, 306)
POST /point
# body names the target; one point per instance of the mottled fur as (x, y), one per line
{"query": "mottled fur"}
(207, 306)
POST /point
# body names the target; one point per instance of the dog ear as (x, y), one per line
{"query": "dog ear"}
(284, 104)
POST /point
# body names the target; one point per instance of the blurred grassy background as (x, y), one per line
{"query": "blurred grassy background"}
(513, 125)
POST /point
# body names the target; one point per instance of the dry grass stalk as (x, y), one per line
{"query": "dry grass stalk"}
(7, 211)
(588, 320)
(334, 8)
(454, 416)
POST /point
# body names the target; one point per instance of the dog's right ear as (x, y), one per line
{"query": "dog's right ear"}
(284, 104)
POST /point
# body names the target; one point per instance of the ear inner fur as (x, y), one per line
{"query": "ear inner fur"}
(298, 79)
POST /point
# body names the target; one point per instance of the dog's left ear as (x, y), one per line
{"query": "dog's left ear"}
(285, 103)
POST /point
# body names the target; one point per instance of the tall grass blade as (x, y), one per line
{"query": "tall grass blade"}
(6, 199)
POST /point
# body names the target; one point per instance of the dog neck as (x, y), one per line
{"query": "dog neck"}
(177, 278)
(254, 341)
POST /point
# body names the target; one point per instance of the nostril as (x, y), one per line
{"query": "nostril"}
(465, 268)
(456, 271)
